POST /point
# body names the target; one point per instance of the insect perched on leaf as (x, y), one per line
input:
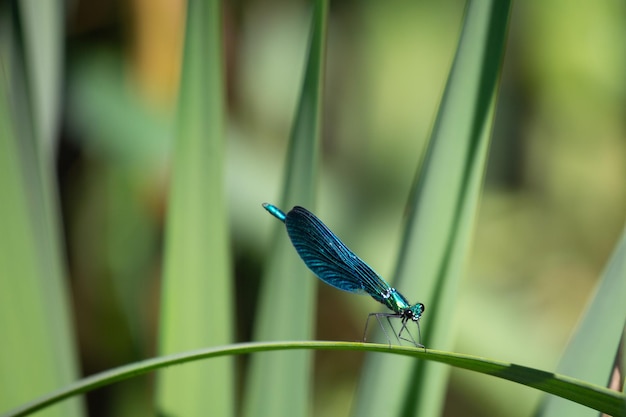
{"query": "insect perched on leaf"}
(335, 264)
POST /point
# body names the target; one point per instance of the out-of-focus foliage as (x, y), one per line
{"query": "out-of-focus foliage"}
(552, 211)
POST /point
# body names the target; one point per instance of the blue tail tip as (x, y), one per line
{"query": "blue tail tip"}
(275, 211)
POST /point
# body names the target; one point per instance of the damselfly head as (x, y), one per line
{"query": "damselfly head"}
(416, 311)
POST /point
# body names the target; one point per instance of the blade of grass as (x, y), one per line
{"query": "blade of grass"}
(441, 213)
(278, 384)
(197, 296)
(43, 38)
(591, 352)
(37, 353)
(596, 397)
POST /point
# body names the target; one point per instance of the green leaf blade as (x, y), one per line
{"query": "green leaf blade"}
(597, 397)
(441, 214)
(591, 353)
(280, 383)
(37, 353)
(197, 295)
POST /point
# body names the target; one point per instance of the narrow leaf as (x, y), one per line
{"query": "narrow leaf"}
(43, 24)
(278, 384)
(37, 352)
(197, 296)
(597, 397)
(593, 349)
(441, 214)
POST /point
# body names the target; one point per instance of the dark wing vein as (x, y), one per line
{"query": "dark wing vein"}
(329, 258)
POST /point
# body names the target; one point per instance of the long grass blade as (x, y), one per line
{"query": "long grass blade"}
(37, 352)
(43, 25)
(197, 295)
(592, 351)
(596, 397)
(441, 213)
(278, 384)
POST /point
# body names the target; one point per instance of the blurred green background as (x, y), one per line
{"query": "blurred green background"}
(553, 208)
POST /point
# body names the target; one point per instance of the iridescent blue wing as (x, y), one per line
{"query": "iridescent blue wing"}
(329, 258)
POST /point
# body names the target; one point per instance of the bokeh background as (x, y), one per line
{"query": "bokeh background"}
(553, 207)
